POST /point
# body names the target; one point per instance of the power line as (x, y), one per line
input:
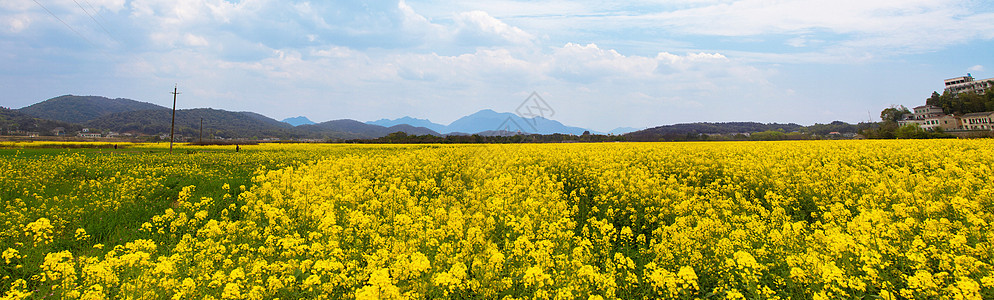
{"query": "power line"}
(99, 49)
(97, 11)
(64, 23)
(92, 18)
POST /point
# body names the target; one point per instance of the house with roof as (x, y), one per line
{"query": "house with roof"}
(944, 122)
(930, 117)
(88, 134)
(927, 111)
(978, 121)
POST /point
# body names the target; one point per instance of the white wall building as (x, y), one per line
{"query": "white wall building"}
(927, 111)
(966, 83)
(978, 121)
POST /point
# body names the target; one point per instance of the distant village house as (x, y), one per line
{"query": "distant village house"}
(977, 121)
(931, 117)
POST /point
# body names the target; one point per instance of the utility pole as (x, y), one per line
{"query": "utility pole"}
(173, 126)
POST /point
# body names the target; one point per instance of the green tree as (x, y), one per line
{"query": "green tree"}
(935, 99)
(972, 102)
(769, 135)
(910, 131)
(893, 113)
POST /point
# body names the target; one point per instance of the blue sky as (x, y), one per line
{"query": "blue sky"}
(600, 65)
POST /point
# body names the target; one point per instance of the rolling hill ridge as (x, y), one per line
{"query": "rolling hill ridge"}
(81, 109)
(130, 116)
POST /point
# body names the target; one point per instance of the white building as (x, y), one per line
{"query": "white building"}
(927, 111)
(978, 121)
(966, 83)
(945, 122)
(923, 115)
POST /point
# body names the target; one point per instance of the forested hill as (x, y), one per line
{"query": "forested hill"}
(228, 124)
(81, 109)
(352, 129)
(220, 123)
(669, 131)
(14, 121)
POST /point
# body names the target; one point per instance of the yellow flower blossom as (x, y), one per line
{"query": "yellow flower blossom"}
(771, 220)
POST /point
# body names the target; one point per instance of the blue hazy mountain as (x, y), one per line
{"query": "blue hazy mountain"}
(410, 121)
(299, 120)
(623, 130)
(486, 121)
(352, 129)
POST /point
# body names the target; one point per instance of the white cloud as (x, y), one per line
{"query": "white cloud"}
(494, 66)
(309, 14)
(335, 52)
(92, 6)
(17, 6)
(195, 40)
(840, 31)
(579, 77)
(16, 23)
(907, 26)
(579, 63)
(171, 13)
(976, 68)
(478, 27)
(18, 17)
(111, 5)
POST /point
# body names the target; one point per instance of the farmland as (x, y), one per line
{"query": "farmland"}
(789, 220)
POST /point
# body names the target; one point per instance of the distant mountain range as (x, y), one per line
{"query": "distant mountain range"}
(623, 130)
(411, 121)
(489, 122)
(297, 121)
(130, 116)
(73, 113)
(352, 129)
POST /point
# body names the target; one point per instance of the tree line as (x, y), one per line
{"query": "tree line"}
(963, 103)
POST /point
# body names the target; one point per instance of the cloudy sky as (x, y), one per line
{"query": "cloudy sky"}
(599, 65)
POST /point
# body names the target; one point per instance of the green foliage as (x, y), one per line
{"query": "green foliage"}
(913, 131)
(883, 130)
(768, 135)
(893, 113)
(13, 122)
(694, 131)
(221, 123)
(963, 103)
(825, 129)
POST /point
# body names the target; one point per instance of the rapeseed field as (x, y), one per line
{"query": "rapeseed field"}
(730, 220)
